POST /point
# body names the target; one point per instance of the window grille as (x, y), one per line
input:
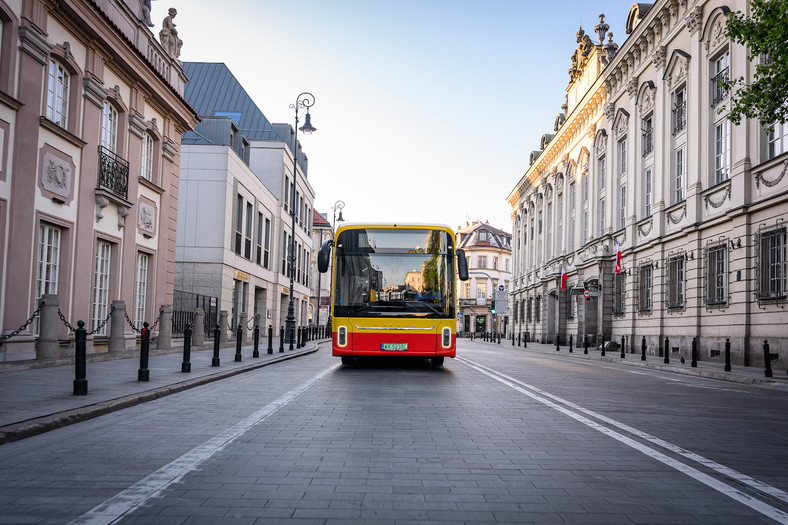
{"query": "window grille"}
(675, 282)
(771, 257)
(715, 269)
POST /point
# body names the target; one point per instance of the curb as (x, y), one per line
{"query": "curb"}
(40, 425)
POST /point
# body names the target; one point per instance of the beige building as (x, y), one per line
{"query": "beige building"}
(489, 254)
(91, 115)
(642, 157)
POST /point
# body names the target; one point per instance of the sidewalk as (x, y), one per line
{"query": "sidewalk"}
(712, 370)
(36, 399)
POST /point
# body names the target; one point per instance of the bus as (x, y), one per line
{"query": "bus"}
(393, 290)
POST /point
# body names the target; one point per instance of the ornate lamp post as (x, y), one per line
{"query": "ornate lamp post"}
(338, 205)
(304, 101)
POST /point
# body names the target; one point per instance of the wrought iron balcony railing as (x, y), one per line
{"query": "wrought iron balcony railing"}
(718, 90)
(113, 173)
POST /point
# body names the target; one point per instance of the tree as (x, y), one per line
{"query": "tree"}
(765, 34)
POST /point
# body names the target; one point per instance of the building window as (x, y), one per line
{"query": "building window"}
(777, 141)
(101, 286)
(602, 173)
(481, 291)
(584, 238)
(109, 127)
(571, 232)
(570, 303)
(622, 207)
(679, 110)
(57, 94)
(722, 150)
(284, 253)
(716, 274)
(647, 131)
(619, 292)
(772, 252)
(481, 262)
(259, 243)
(147, 157)
(622, 158)
(601, 216)
(286, 200)
(644, 288)
(468, 291)
(141, 290)
(675, 282)
(648, 191)
(248, 235)
(678, 173)
(239, 224)
(495, 263)
(528, 310)
(720, 74)
(537, 313)
(48, 260)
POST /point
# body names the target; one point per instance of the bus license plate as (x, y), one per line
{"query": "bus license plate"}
(394, 347)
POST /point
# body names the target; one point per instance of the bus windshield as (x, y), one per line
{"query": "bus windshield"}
(394, 273)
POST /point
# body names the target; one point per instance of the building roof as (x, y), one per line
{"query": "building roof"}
(213, 91)
(319, 220)
(482, 235)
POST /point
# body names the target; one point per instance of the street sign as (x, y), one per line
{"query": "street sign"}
(587, 293)
(501, 288)
(501, 300)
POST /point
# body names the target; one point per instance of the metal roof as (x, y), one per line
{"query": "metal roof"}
(213, 89)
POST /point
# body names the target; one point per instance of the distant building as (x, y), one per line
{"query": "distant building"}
(91, 115)
(234, 227)
(643, 157)
(489, 254)
(321, 282)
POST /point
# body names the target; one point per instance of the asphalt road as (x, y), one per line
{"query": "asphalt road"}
(499, 434)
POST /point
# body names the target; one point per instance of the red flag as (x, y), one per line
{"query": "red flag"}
(618, 258)
(564, 277)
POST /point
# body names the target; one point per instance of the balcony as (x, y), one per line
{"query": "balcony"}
(113, 173)
(679, 117)
(719, 91)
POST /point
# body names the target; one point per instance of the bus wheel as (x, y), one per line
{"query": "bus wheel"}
(436, 361)
(347, 359)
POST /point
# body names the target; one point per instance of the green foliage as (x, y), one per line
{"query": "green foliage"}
(765, 34)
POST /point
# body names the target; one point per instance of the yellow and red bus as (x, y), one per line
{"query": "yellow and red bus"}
(393, 290)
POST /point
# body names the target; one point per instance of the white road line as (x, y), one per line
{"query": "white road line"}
(732, 492)
(151, 486)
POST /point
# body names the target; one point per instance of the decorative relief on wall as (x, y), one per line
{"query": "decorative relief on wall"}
(647, 98)
(645, 228)
(146, 217)
(56, 174)
(693, 19)
(676, 216)
(709, 200)
(759, 178)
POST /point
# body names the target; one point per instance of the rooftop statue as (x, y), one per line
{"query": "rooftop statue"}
(168, 36)
(145, 12)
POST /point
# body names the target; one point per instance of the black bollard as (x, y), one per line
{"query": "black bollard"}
(570, 344)
(518, 338)
(238, 337)
(667, 350)
(557, 343)
(767, 359)
(80, 372)
(585, 344)
(144, 374)
(525, 340)
(281, 339)
(292, 338)
(643, 349)
(499, 337)
(727, 355)
(256, 351)
(186, 366)
(270, 339)
(694, 362)
(603, 345)
(512, 338)
(216, 334)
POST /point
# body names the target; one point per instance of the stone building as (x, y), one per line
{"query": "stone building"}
(234, 227)
(642, 157)
(91, 115)
(489, 253)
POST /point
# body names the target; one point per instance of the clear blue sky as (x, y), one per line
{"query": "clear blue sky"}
(426, 110)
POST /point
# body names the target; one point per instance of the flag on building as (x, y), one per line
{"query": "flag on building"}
(564, 277)
(618, 258)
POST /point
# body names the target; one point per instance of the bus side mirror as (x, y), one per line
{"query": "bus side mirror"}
(324, 256)
(462, 265)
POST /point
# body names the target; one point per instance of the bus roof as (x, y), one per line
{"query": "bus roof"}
(403, 225)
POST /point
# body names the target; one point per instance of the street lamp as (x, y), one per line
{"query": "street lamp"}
(304, 101)
(338, 205)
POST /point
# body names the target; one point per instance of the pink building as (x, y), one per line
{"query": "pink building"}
(91, 115)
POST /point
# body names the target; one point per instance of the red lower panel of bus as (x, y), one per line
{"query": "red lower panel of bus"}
(386, 343)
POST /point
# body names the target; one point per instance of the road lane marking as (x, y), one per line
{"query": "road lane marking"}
(553, 401)
(151, 486)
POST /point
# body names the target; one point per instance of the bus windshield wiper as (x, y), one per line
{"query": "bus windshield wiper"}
(357, 308)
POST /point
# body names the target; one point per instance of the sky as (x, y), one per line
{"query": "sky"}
(426, 110)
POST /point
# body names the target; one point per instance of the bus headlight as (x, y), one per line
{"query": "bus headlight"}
(342, 336)
(446, 337)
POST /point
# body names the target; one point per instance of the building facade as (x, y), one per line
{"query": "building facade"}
(643, 158)
(321, 282)
(91, 114)
(238, 191)
(489, 254)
